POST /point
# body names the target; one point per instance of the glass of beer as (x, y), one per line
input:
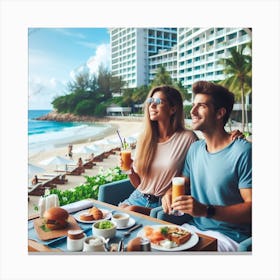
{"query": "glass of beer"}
(126, 161)
(178, 189)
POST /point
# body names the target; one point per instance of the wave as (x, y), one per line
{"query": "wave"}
(42, 141)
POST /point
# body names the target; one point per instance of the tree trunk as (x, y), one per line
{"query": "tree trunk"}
(243, 107)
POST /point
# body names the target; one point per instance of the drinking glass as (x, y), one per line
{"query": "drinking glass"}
(178, 189)
(126, 160)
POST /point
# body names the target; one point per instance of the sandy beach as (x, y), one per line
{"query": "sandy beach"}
(126, 129)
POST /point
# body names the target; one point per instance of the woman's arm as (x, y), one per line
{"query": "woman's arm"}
(134, 178)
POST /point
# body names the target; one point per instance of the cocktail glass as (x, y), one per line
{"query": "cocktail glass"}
(126, 160)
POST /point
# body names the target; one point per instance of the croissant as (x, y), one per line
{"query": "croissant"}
(96, 213)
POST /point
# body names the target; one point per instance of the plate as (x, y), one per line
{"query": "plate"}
(189, 244)
(130, 223)
(106, 216)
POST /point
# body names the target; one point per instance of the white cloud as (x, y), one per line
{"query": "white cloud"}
(42, 89)
(42, 92)
(102, 56)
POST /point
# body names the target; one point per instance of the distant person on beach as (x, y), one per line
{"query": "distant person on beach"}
(81, 164)
(217, 171)
(160, 150)
(91, 157)
(70, 148)
(35, 180)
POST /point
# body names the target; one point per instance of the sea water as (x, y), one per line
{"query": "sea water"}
(44, 135)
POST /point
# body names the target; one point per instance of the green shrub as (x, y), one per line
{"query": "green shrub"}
(90, 188)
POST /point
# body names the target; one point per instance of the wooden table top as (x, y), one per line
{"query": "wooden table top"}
(205, 243)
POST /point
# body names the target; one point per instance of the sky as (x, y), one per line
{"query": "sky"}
(56, 55)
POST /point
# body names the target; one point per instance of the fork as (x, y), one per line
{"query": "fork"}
(127, 233)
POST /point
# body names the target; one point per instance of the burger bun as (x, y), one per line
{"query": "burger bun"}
(56, 218)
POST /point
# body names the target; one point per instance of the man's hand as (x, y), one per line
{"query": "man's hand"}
(188, 205)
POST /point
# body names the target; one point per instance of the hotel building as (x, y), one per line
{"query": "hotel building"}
(188, 54)
(131, 49)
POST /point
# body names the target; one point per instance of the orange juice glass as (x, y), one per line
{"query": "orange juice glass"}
(178, 189)
(126, 161)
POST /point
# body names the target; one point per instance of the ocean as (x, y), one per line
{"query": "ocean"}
(44, 135)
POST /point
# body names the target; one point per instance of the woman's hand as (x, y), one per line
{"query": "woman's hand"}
(166, 202)
(236, 134)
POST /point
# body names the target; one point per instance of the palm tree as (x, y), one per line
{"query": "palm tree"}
(238, 69)
(162, 77)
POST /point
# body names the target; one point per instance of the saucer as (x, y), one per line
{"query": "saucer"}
(130, 223)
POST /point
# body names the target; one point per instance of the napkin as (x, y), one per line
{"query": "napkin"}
(78, 205)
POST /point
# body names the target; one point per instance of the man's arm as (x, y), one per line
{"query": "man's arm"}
(236, 213)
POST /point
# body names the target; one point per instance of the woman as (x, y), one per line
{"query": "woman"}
(160, 151)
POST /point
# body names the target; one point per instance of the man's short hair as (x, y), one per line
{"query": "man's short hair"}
(221, 96)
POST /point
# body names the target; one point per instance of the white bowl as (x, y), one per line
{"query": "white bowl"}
(121, 219)
(104, 232)
(94, 244)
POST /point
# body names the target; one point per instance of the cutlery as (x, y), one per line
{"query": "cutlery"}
(106, 244)
(121, 245)
(127, 233)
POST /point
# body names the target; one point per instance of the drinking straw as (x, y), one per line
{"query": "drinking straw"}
(120, 138)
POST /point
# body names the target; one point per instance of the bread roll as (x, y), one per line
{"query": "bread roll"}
(134, 244)
(96, 213)
(86, 217)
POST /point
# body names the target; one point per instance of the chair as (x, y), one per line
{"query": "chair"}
(245, 245)
(39, 189)
(115, 192)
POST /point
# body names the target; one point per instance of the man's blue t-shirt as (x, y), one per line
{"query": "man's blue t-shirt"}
(216, 178)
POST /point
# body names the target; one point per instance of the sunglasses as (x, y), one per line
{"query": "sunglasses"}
(156, 101)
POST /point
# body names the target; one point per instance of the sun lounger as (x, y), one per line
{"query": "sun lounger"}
(54, 178)
(40, 188)
(89, 164)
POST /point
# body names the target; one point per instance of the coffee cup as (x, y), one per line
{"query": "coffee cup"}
(94, 244)
(121, 219)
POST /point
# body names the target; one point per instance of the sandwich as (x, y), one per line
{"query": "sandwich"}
(55, 218)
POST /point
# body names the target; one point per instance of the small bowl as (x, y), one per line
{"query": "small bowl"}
(104, 232)
(121, 219)
(94, 244)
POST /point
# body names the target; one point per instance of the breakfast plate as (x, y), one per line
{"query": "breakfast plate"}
(130, 223)
(106, 216)
(187, 245)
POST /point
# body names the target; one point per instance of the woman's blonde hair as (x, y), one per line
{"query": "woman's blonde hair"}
(147, 143)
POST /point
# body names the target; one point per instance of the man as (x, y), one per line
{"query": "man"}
(217, 171)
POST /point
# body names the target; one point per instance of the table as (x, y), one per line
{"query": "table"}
(205, 243)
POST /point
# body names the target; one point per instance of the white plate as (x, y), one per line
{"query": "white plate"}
(131, 222)
(106, 216)
(190, 243)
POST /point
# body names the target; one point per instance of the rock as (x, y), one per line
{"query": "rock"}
(67, 117)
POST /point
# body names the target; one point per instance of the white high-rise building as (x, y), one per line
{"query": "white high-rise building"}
(201, 49)
(131, 48)
(188, 54)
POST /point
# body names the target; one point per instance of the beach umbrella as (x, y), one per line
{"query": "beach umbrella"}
(94, 148)
(130, 140)
(83, 150)
(33, 169)
(57, 160)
